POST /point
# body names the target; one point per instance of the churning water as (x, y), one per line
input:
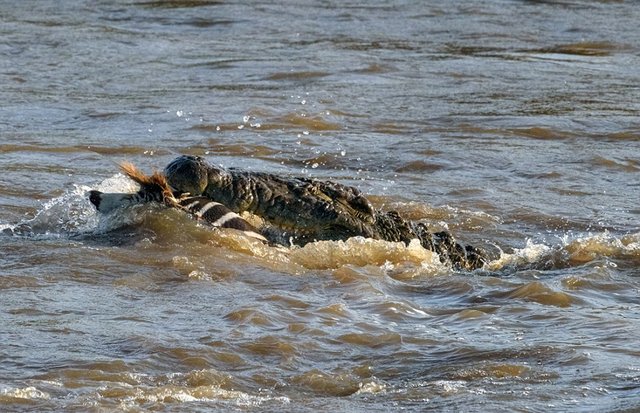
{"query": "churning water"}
(515, 125)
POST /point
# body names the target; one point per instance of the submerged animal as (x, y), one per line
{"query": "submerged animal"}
(302, 208)
(154, 188)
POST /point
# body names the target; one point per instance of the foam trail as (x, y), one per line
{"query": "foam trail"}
(530, 254)
(570, 251)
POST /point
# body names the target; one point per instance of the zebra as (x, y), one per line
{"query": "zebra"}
(155, 188)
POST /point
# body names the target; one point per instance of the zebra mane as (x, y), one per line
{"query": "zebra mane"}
(155, 183)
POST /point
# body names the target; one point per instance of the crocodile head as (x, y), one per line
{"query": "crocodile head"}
(192, 175)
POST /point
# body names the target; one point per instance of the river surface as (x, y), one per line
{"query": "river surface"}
(515, 125)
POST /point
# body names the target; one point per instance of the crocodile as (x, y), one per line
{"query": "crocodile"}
(309, 209)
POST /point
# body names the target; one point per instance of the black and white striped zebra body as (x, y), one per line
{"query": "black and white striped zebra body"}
(218, 215)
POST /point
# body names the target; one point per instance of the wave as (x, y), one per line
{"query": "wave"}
(570, 251)
(131, 391)
(9, 395)
(72, 216)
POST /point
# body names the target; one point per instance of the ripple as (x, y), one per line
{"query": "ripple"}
(321, 383)
(375, 341)
(584, 49)
(296, 75)
(540, 293)
(177, 4)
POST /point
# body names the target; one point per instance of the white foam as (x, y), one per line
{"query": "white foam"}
(572, 250)
(371, 387)
(360, 251)
(604, 244)
(531, 253)
(25, 393)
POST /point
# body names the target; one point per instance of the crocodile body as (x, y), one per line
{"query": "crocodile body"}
(310, 209)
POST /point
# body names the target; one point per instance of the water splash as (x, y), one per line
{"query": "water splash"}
(530, 254)
(70, 214)
(570, 251)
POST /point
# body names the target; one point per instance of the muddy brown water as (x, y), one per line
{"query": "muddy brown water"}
(513, 124)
